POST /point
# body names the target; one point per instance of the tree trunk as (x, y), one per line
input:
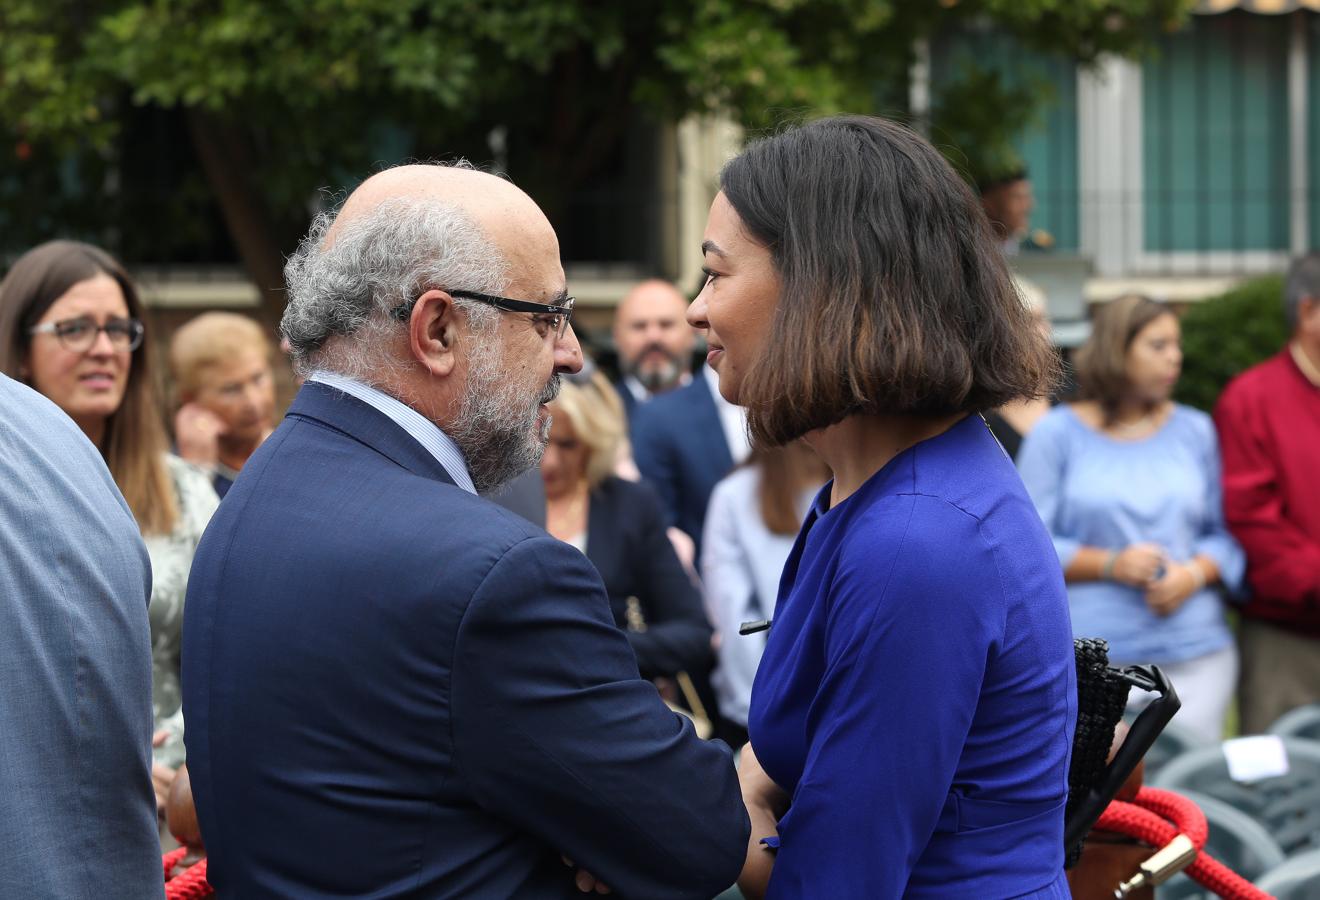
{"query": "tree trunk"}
(223, 151)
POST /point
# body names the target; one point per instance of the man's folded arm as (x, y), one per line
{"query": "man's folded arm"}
(554, 731)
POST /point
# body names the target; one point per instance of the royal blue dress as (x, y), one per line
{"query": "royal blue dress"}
(917, 695)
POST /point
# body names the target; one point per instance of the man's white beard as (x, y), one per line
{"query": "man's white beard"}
(496, 427)
(661, 378)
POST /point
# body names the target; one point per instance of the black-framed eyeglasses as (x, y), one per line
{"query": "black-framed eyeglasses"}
(557, 316)
(79, 335)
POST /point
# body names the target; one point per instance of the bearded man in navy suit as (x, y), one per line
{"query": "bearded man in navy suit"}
(684, 442)
(654, 343)
(393, 687)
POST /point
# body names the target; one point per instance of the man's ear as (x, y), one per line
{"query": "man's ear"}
(1308, 315)
(433, 332)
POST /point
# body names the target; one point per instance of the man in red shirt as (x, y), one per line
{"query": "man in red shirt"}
(1269, 431)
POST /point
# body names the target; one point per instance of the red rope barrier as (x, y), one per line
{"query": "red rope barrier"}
(190, 884)
(1157, 817)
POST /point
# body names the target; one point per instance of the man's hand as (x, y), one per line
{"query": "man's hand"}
(1167, 595)
(197, 432)
(766, 803)
(585, 881)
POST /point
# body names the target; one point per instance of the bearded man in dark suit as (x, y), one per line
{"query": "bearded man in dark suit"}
(393, 687)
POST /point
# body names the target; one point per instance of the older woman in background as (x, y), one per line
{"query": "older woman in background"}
(619, 526)
(72, 326)
(1128, 483)
(221, 367)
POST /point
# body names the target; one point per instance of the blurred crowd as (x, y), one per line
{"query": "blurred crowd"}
(1186, 540)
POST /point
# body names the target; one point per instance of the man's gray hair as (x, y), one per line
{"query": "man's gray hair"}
(382, 260)
(1303, 281)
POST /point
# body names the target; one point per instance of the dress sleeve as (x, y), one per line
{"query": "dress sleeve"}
(893, 710)
(1285, 562)
(554, 731)
(677, 635)
(1043, 464)
(1215, 541)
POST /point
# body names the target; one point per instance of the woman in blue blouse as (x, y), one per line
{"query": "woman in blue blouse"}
(1128, 483)
(913, 712)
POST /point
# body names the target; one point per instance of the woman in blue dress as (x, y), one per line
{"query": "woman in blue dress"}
(912, 716)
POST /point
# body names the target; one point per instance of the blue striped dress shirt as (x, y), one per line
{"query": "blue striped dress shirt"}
(422, 429)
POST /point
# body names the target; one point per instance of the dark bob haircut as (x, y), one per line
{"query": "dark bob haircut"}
(1101, 363)
(895, 297)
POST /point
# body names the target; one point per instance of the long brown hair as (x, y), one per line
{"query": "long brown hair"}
(1101, 363)
(134, 444)
(786, 472)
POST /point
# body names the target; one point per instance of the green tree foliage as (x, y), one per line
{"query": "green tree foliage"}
(281, 98)
(1225, 335)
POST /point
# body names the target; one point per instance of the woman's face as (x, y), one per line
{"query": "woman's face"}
(1154, 360)
(88, 385)
(564, 463)
(736, 307)
(241, 391)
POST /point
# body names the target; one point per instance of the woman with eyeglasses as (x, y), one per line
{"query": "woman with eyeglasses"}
(72, 327)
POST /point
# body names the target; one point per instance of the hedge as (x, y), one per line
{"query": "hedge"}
(1224, 335)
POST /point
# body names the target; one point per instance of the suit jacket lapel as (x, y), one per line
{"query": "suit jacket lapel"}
(347, 414)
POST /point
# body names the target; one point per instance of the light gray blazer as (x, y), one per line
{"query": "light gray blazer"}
(77, 811)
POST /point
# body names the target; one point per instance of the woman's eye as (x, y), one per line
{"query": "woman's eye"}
(74, 329)
(710, 276)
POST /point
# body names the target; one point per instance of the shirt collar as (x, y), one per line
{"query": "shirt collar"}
(422, 429)
(636, 388)
(1309, 369)
(640, 392)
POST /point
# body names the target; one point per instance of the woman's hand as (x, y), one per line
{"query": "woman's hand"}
(162, 777)
(1167, 595)
(197, 433)
(766, 803)
(1138, 564)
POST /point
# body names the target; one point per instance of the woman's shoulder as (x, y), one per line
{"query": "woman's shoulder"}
(192, 488)
(742, 481)
(636, 496)
(185, 474)
(1191, 417)
(1194, 425)
(1061, 419)
(896, 525)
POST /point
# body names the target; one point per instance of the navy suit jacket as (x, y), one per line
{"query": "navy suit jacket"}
(394, 688)
(680, 448)
(626, 397)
